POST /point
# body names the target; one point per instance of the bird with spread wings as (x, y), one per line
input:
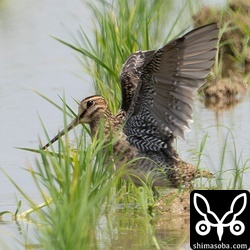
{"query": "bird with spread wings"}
(158, 91)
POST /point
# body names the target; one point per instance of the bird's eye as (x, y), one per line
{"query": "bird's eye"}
(89, 103)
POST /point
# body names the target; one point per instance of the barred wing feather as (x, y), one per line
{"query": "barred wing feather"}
(161, 108)
(130, 74)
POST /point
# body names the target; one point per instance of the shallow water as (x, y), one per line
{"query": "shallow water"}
(229, 127)
(32, 60)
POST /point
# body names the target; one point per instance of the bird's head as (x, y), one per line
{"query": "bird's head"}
(90, 111)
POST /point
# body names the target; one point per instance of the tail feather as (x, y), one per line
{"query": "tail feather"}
(205, 174)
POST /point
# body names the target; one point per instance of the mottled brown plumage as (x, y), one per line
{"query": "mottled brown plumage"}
(158, 90)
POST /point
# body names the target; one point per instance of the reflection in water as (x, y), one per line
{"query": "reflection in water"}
(173, 231)
(125, 230)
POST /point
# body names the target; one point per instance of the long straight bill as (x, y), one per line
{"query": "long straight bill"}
(73, 124)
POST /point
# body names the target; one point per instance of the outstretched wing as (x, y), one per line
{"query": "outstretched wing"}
(130, 74)
(162, 105)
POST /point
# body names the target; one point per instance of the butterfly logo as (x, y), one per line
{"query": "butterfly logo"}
(203, 227)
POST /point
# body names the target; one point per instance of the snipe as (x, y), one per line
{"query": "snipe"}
(158, 90)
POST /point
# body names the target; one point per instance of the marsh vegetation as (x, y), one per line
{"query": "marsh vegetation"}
(86, 206)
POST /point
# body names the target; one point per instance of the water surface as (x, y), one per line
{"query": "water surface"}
(32, 60)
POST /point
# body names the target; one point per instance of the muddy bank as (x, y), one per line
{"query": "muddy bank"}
(225, 93)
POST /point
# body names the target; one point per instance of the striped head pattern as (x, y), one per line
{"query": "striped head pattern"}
(90, 111)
